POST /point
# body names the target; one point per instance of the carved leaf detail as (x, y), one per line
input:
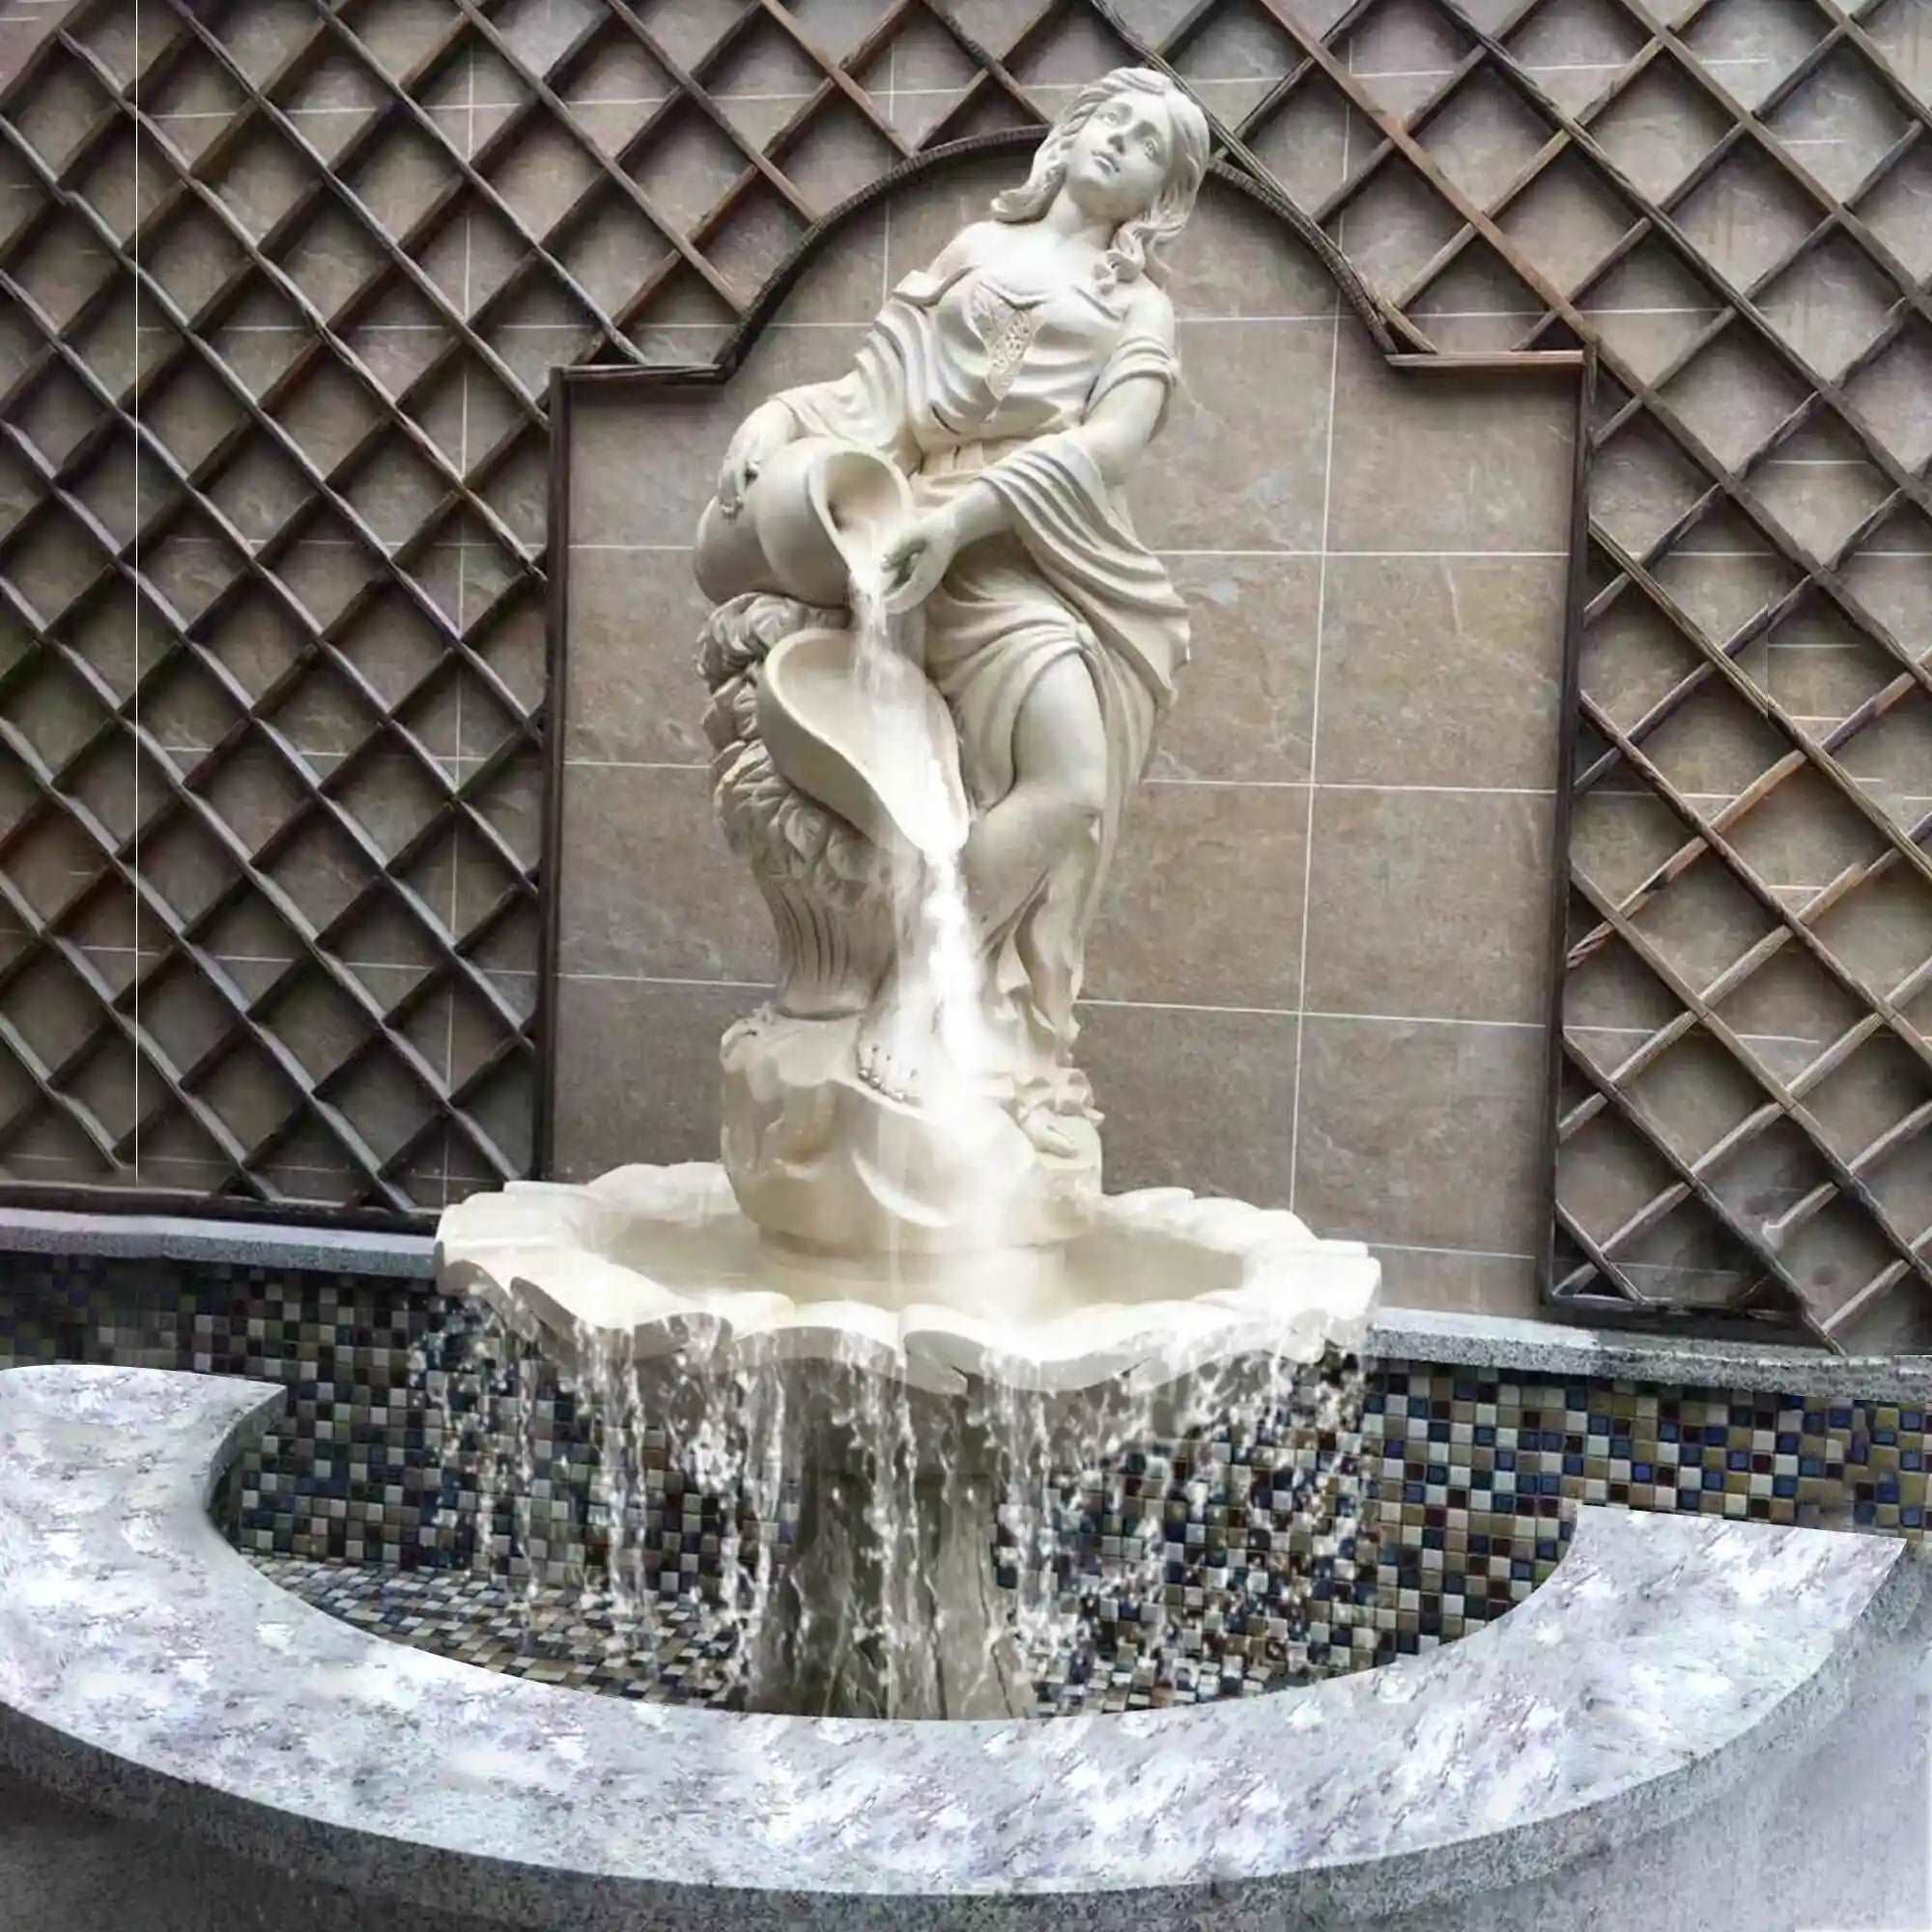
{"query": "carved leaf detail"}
(784, 834)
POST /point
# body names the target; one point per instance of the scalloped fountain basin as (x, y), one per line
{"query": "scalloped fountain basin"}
(650, 1261)
(904, 1395)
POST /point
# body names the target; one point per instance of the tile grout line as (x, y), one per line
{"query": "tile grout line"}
(1867, 554)
(857, 326)
(1298, 1013)
(1470, 1254)
(667, 980)
(1166, 784)
(1350, 784)
(1087, 1001)
(1315, 698)
(1298, 556)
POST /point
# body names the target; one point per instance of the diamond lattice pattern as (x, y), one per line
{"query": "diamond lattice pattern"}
(283, 284)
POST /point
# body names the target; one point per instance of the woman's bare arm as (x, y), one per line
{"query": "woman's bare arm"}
(1122, 425)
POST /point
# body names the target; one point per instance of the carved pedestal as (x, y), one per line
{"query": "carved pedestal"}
(817, 1156)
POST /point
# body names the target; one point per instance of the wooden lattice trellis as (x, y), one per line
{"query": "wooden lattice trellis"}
(282, 286)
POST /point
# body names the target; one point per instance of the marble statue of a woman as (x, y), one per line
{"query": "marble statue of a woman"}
(937, 655)
(1009, 388)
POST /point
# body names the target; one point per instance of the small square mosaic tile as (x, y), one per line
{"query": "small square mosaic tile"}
(434, 1481)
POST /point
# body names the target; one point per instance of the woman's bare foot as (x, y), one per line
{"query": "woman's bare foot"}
(896, 1038)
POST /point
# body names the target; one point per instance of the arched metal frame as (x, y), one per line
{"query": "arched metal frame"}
(567, 384)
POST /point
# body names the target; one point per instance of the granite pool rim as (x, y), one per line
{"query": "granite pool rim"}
(1550, 1351)
(163, 1472)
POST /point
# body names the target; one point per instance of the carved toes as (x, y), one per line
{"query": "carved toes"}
(878, 1070)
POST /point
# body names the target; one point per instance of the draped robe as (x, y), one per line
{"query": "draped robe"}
(969, 377)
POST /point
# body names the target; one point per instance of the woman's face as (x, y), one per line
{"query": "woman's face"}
(1117, 163)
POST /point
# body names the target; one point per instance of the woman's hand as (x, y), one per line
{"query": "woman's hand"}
(915, 562)
(760, 437)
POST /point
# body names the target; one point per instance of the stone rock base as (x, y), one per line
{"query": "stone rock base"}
(819, 1158)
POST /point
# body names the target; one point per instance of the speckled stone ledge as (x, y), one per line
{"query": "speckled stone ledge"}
(182, 1237)
(1553, 1350)
(144, 1665)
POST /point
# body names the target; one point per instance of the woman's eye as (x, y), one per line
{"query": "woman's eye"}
(1153, 148)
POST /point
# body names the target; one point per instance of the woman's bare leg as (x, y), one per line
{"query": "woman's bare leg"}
(1058, 794)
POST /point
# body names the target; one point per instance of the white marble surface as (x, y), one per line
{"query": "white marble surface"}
(1551, 1350)
(144, 1663)
(645, 1261)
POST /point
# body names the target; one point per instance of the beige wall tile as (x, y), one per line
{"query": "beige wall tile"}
(1239, 465)
(1247, 699)
(649, 886)
(1619, 834)
(638, 1066)
(1430, 903)
(1239, 258)
(1427, 1135)
(1807, 832)
(1895, 584)
(644, 463)
(1204, 903)
(1303, 143)
(1193, 1099)
(1422, 464)
(634, 688)
(1703, 923)
(1441, 671)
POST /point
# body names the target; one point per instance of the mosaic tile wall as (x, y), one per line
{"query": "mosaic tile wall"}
(1457, 1441)
(405, 1455)
(401, 1441)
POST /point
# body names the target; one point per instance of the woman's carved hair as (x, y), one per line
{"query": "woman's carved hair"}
(1137, 243)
